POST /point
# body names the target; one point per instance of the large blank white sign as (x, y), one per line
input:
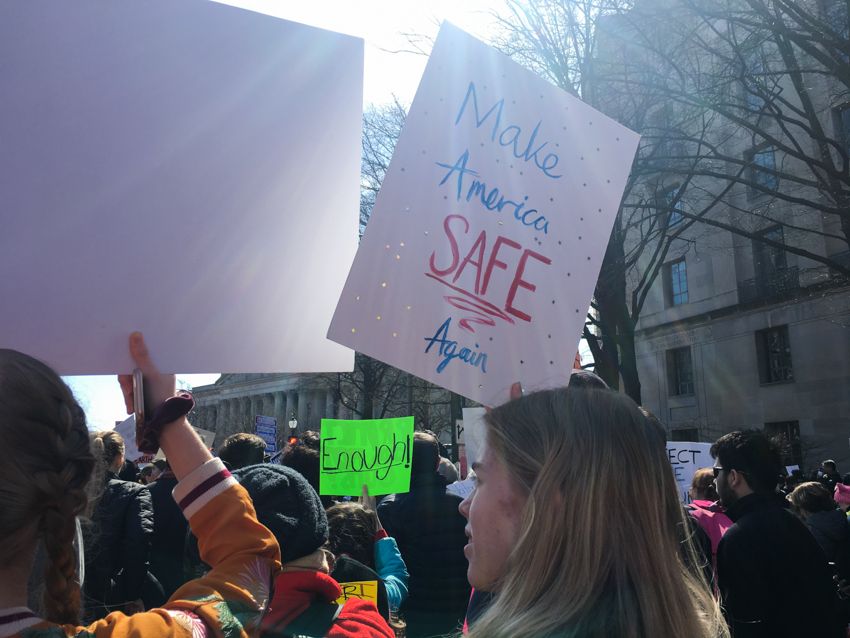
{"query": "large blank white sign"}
(179, 167)
(479, 261)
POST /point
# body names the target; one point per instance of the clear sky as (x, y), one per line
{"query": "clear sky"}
(381, 24)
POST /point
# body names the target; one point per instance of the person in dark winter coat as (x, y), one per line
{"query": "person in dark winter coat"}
(169, 532)
(429, 530)
(826, 522)
(774, 578)
(830, 477)
(118, 545)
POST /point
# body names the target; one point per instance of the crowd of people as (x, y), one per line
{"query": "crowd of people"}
(574, 528)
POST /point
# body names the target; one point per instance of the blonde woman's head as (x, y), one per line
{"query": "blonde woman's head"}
(574, 523)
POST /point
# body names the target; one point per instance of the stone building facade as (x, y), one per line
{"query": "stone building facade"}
(230, 404)
(736, 333)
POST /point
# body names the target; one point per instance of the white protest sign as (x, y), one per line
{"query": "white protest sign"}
(127, 430)
(180, 167)
(206, 436)
(474, 432)
(685, 459)
(791, 468)
(479, 261)
(462, 488)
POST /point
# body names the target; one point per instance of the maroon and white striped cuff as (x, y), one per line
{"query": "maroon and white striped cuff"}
(201, 486)
(14, 619)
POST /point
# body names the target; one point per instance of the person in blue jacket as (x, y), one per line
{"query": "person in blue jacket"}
(356, 530)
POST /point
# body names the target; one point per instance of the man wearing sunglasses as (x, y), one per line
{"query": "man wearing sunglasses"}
(774, 578)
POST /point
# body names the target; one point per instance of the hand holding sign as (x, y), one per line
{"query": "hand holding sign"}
(368, 503)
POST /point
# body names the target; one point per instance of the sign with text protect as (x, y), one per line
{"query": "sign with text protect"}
(376, 453)
(150, 142)
(685, 459)
(483, 248)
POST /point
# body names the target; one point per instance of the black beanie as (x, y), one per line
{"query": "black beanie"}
(287, 505)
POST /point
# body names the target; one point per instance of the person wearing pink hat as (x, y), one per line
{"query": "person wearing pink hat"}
(842, 497)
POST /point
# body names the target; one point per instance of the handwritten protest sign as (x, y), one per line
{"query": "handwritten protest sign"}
(483, 248)
(462, 488)
(375, 453)
(365, 590)
(686, 459)
(180, 167)
(127, 430)
(206, 437)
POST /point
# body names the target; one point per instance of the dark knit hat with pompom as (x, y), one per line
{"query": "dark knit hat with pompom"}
(286, 504)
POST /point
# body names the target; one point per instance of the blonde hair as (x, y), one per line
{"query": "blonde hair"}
(46, 467)
(107, 445)
(599, 549)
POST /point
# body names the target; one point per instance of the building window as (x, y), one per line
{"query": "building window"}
(770, 260)
(754, 85)
(836, 16)
(680, 371)
(674, 202)
(689, 435)
(790, 431)
(662, 129)
(761, 161)
(772, 274)
(774, 352)
(676, 283)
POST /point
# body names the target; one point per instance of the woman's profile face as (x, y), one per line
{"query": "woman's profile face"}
(494, 514)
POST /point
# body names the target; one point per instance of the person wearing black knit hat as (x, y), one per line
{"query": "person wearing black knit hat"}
(288, 507)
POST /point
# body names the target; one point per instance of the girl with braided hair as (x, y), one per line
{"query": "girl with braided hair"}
(48, 463)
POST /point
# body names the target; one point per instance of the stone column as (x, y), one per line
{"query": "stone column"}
(317, 407)
(320, 403)
(221, 420)
(303, 411)
(256, 409)
(268, 404)
(280, 410)
(330, 404)
(230, 419)
(244, 410)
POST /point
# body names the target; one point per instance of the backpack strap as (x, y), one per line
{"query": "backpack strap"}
(313, 622)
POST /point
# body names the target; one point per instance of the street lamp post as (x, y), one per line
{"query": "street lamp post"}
(293, 424)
